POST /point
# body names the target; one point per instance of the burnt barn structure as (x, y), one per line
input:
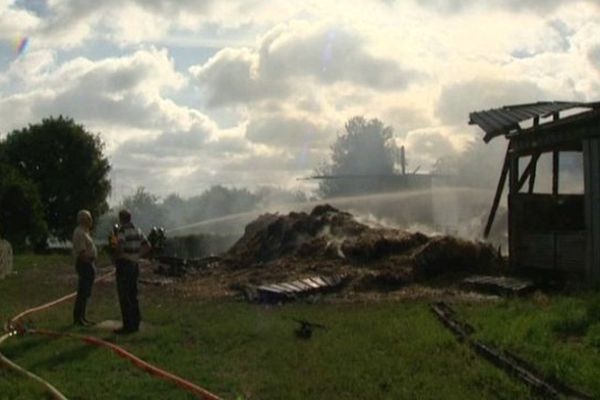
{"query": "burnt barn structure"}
(552, 230)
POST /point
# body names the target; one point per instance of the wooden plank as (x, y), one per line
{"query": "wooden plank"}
(498, 196)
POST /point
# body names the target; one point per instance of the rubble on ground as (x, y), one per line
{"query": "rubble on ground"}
(281, 248)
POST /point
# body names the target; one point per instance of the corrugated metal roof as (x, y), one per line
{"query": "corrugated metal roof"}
(502, 121)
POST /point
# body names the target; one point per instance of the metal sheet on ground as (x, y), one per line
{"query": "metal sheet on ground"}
(319, 283)
(290, 287)
(299, 286)
(310, 283)
(271, 288)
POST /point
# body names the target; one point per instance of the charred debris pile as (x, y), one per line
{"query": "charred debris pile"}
(329, 242)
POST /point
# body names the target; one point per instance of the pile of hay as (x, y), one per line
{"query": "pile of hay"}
(326, 240)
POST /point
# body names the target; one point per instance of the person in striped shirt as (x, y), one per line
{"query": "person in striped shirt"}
(131, 246)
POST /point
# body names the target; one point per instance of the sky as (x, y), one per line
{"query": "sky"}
(187, 94)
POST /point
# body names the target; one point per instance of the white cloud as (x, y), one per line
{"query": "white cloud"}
(459, 99)
(15, 23)
(293, 55)
(285, 76)
(288, 132)
(125, 91)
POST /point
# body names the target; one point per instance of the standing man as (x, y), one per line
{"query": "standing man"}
(131, 245)
(85, 253)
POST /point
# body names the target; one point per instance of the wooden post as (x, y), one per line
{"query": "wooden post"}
(513, 184)
(534, 160)
(555, 163)
(591, 158)
(513, 222)
(555, 171)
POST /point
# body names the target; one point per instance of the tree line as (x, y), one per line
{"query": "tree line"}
(52, 169)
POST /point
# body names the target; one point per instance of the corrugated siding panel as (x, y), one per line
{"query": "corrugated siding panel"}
(502, 120)
(591, 149)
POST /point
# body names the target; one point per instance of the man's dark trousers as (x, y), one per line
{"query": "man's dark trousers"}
(127, 277)
(86, 273)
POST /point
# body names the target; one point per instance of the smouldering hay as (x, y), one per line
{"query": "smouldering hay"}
(279, 248)
(449, 254)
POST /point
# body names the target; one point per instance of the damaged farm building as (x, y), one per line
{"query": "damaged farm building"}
(556, 231)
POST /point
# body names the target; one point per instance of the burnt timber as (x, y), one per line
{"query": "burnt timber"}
(553, 231)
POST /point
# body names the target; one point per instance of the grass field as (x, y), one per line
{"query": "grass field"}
(390, 350)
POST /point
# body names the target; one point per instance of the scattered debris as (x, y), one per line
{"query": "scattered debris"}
(305, 330)
(156, 282)
(284, 249)
(500, 285)
(177, 267)
(286, 291)
(549, 388)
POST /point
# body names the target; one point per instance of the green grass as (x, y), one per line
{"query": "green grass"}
(560, 334)
(394, 350)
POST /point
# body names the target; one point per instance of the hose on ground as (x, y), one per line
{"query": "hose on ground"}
(14, 326)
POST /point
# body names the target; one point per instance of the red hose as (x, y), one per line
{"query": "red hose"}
(52, 391)
(138, 362)
(17, 317)
(153, 370)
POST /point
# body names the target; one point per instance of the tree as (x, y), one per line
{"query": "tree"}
(21, 211)
(67, 164)
(145, 209)
(366, 149)
(220, 201)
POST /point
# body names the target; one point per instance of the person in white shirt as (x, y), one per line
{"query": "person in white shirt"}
(85, 253)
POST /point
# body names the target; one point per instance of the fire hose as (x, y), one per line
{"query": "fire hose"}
(49, 388)
(15, 327)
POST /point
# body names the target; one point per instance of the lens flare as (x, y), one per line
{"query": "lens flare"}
(21, 45)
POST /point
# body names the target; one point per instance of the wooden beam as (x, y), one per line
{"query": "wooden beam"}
(532, 177)
(513, 170)
(498, 196)
(555, 171)
(530, 169)
(533, 162)
(555, 162)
